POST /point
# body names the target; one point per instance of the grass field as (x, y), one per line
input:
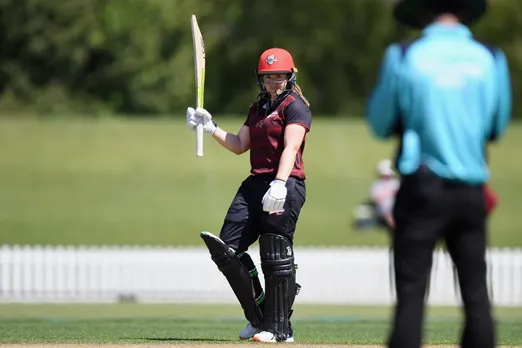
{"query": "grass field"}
(139, 182)
(139, 323)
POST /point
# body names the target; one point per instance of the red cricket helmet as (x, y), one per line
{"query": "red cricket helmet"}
(276, 61)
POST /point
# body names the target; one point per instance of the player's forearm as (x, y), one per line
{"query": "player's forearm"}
(229, 141)
(286, 163)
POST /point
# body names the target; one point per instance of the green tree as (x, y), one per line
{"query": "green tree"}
(135, 56)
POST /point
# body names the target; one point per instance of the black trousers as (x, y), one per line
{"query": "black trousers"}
(246, 221)
(427, 209)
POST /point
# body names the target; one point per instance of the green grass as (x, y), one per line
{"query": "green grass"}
(139, 182)
(138, 323)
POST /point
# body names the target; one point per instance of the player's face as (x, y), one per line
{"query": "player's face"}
(275, 83)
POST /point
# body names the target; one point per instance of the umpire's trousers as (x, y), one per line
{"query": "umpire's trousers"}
(428, 208)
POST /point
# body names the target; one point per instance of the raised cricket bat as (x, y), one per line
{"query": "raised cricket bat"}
(199, 65)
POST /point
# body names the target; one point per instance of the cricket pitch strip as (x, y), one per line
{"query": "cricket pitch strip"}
(211, 345)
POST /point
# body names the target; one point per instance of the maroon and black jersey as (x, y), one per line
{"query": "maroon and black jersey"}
(267, 127)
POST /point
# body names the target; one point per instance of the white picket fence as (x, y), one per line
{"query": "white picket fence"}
(158, 274)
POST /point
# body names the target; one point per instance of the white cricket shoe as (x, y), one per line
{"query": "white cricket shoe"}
(268, 337)
(248, 332)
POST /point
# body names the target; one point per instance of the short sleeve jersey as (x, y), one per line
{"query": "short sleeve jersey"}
(267, 128)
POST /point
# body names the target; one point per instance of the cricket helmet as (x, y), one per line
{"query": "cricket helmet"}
(276, 61)
(409, 12)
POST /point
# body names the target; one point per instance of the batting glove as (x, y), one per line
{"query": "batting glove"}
(274, 199)
(200, 115)
(192, 119)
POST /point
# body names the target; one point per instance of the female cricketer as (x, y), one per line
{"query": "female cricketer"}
(267, 205)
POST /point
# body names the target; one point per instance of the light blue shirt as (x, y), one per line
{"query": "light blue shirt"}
(451, 94)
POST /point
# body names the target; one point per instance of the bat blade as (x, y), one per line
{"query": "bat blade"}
(199, 65)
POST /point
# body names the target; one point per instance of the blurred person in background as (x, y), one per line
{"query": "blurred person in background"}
(382, 193)
(377, 210)
(268, 203)
(491, 199)
(445, 95)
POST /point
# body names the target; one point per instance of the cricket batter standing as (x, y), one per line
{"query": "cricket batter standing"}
(446, 96)
(268, 202)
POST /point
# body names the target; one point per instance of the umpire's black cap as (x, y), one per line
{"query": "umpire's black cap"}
(409, 12)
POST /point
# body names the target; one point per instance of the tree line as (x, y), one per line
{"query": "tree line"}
(134, 57)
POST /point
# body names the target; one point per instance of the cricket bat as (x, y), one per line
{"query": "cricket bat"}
(199, 65)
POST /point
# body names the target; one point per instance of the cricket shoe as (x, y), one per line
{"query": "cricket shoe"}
(248, 332)
(268, 337)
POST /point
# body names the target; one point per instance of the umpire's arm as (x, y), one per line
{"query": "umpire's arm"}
(382, 110)
(503, 112)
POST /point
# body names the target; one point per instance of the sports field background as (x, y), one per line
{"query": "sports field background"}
(114, 181)
(189, 323)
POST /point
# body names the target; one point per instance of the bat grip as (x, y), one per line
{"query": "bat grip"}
(199, 140)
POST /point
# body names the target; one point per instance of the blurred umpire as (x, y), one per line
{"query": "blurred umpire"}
(445, 95)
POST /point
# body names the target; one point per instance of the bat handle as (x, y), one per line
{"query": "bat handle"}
(199, 140)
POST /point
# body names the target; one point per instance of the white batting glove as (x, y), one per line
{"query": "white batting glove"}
(274, 199)
(200, 115)
(192, 119)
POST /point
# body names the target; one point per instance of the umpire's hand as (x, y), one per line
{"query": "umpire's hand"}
(274, 199)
